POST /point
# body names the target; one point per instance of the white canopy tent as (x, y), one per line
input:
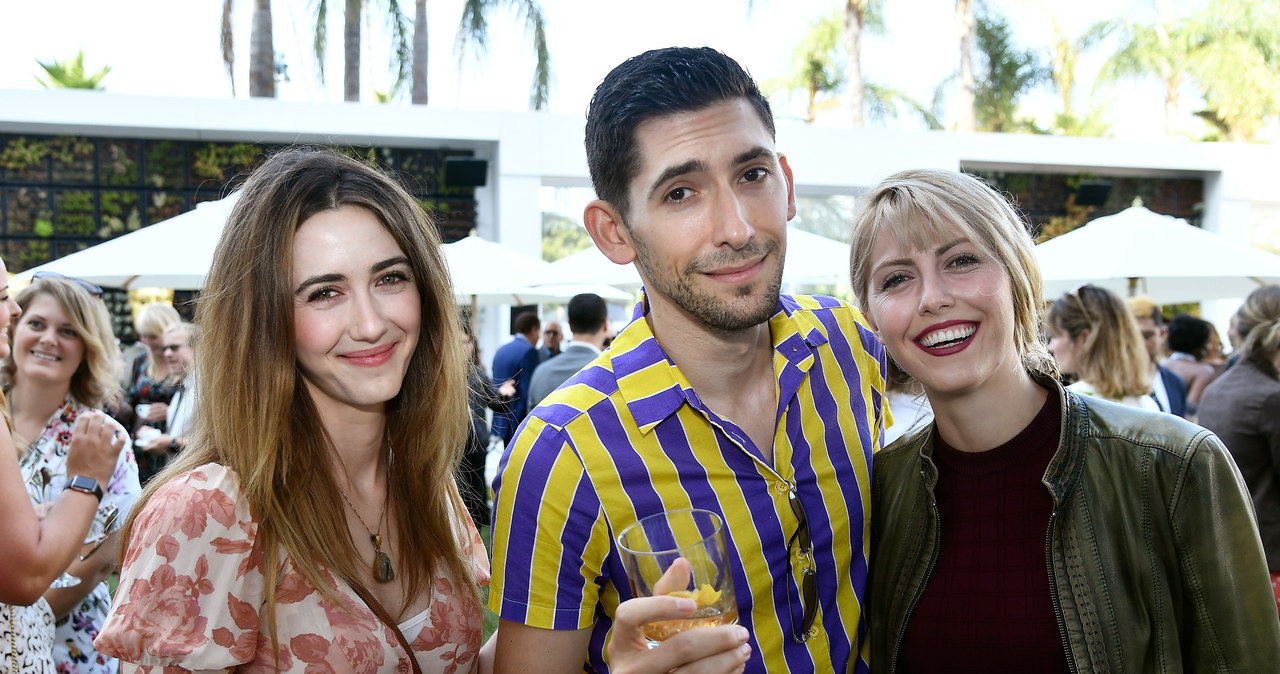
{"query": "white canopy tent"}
(1138, 252)
(174, 253)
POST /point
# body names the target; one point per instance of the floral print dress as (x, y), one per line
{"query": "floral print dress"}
(191, 596)
(44, 467)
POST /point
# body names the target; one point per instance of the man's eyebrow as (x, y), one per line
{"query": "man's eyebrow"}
(758, 152)
(691, 166)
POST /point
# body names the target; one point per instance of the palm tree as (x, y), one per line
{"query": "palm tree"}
(816, 70)
(474, 28)
(1237, 66)
(1064, 54)
(1163, 49)
(1007, 73)
(70, 74)
(418, 85)
(967, 34)
(262, 57)
(402, 49)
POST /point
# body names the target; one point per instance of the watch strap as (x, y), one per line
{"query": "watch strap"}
(85, 484)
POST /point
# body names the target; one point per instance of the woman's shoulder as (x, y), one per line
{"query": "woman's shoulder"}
(204, 502)
(1114, 426)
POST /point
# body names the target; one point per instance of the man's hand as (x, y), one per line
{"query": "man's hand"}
(703, 650)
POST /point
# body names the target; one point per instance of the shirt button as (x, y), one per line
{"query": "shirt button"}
(782, 486)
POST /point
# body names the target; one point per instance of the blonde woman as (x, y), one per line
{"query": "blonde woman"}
(61, 366)
(313, 522)
(37, 549)
(1095, 337)
(1029, 528)
(151, 383)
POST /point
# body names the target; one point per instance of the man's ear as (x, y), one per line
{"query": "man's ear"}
(606, 228)
(791, 186)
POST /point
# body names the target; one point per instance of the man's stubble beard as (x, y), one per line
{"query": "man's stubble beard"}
(712, 312)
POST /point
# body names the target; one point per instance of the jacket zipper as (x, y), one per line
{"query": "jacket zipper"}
(915, 599)
(1053, 592)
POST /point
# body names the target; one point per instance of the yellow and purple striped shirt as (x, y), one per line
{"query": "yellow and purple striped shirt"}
(628, 437)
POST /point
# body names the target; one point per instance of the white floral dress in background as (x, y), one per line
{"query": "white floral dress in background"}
(44, 467)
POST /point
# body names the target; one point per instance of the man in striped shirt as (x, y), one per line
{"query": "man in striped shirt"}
(721, 394)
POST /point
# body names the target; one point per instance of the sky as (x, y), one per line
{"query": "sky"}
(171, 48)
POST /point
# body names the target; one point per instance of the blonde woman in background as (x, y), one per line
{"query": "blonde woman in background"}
(1094, 337)
(152, 383)
(38, 548)
(61, 366)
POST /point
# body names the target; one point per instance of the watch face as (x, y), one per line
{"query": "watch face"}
(85, 484)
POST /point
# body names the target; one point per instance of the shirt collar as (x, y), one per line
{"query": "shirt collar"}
(582, 345)
(653, 388)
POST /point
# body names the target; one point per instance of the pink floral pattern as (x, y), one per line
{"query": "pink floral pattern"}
(191, 598)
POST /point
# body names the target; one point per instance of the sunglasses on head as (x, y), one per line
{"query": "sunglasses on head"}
(92, 289)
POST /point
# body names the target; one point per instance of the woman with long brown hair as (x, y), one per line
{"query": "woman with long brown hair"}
(314, 521)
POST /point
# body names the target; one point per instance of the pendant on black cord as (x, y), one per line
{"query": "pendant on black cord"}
(382, 570)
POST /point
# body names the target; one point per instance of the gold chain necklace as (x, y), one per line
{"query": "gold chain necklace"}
(383, 572)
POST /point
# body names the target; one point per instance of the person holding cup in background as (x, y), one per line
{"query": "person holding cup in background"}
(722, 394)
(179, 352)
(61, 367)
(152, 384)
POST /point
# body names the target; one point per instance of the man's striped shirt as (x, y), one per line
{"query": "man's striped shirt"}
(628, 437)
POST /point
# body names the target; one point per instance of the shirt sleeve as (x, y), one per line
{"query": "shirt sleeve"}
(191, 581)
(550, 538)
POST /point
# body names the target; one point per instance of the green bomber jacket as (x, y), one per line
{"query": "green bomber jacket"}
(1189, 593)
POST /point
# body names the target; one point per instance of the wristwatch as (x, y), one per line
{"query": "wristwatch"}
(87, 485)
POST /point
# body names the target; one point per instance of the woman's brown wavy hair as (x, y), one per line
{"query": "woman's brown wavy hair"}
(260, 420)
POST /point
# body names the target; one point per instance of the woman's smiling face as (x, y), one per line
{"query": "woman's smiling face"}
(944, 311)
(46, 344)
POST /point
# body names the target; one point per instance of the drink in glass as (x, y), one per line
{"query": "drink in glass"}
(681, 553)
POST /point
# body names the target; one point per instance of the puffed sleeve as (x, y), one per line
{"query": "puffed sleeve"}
(191, 580)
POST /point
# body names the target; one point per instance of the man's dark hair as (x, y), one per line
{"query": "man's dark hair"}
(1189, 334)
(525, 322)
(587, 314)
(654, 84)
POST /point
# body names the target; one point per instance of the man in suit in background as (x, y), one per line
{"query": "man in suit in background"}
(589, 321)
(516, 360)
(1169, 390)
(552, 334)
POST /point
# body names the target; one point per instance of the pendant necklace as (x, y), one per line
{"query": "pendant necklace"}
(382, 569)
